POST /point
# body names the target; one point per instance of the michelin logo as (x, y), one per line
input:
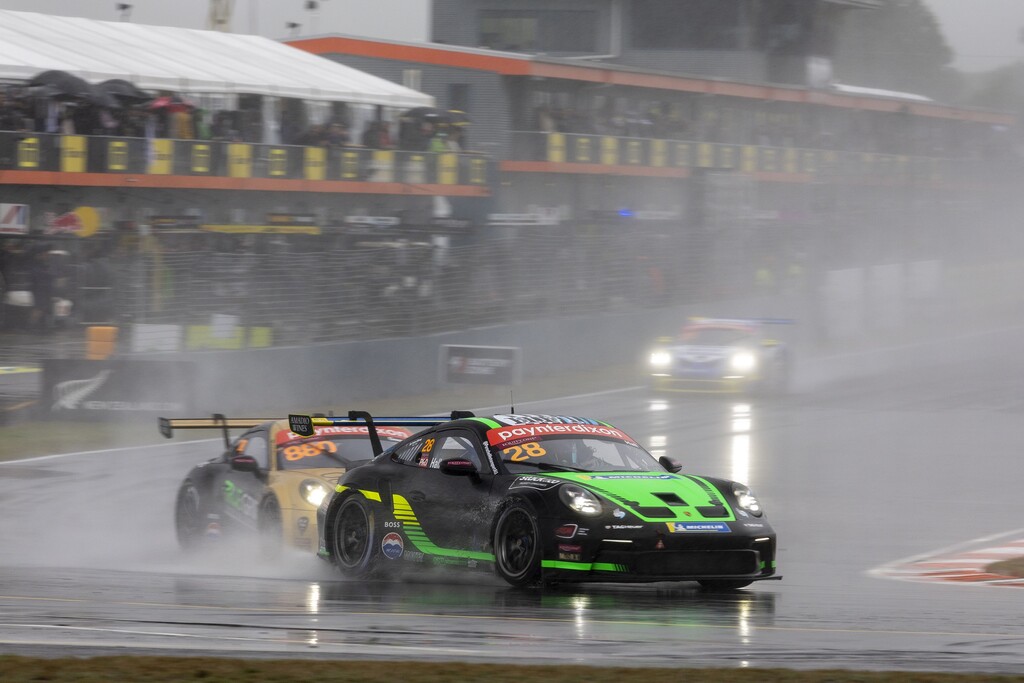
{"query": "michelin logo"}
(698, 527)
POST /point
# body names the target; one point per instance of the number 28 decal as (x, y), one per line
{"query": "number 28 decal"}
(524, 452)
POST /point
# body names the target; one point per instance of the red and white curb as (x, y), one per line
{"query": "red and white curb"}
(964, 564)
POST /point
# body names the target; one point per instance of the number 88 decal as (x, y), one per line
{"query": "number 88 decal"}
(308, 450)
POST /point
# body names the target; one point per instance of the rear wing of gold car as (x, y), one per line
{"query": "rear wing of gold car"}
(304, 425)
(216, 421)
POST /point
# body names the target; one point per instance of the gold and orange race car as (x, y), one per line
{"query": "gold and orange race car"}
(268, 482)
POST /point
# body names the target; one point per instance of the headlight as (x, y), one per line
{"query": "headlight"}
(313, 492)
(579, 499)
(743, 361)
(746, 500)
(660, 359)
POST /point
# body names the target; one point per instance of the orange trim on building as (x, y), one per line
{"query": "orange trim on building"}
(592, 169)
(420, 54)
(172, 182)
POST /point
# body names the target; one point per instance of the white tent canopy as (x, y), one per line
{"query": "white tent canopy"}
(185, 61)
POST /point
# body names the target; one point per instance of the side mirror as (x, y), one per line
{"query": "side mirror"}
(458, 467)
(670, 464)
(245, 463)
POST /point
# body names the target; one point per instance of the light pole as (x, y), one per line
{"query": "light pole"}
(313, 6)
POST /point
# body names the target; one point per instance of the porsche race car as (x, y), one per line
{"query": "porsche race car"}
(539, 499)
(721, 355)
(268, 480)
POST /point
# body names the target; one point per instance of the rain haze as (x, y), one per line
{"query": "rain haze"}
(778, 248)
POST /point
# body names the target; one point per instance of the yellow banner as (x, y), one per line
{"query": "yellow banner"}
(556, 148)
(478, 171)
(72, 153)
(161, 157)
(705, 155)
(350, 165)
(584, 150)
(117, 155)
(634, 152)
(609, 151)
(314, 163)
(659, 153)
(277, 162)
(239, 160)
(383, 166)
(28, 153)
(448, 169)
(682, 153)
(748, 164)
(200, 158)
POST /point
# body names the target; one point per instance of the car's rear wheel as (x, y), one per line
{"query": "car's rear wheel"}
(517, 544)
(354, 537)
(189, 519)
(270, 528)
(724, 584)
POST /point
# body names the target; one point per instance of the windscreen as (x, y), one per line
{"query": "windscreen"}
(528, 448)
(331, 447)
(716, 336)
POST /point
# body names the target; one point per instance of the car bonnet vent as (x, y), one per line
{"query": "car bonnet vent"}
(711, 511)
(670, 499)
(656, 512)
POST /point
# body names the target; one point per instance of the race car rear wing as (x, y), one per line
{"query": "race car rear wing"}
(216, 421)
(304, 425)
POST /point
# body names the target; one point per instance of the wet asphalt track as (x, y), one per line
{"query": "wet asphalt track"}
(855, 471)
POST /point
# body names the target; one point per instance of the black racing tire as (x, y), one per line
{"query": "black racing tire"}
(517, 544)
(270, 528)
(354, 537)
(724, 585)
(189, 516)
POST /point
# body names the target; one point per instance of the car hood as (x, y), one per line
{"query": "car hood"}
(329, 475)
(654, 496)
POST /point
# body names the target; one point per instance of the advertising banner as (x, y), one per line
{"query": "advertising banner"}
(480, 364)
(13, 219)
(106, 388)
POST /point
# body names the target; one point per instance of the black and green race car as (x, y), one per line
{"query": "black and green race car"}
(539, 499)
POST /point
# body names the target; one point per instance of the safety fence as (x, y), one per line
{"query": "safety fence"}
(162, 157)
(205, 299)
(613, 153)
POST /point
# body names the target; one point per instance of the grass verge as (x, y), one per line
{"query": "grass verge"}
(215, 670)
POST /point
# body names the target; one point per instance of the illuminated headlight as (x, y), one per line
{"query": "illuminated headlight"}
(743, 361)
(660, 359)
(580, 500)
(313, 492)
(746, 500)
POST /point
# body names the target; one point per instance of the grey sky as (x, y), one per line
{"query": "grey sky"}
(984, 33)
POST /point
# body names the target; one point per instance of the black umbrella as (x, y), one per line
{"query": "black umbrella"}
(62, 85)
(102, 98)
(423, 114)
(124, 91)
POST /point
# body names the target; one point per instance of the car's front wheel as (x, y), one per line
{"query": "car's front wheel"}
(517, 544)
(188, 516)
(354, 537)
